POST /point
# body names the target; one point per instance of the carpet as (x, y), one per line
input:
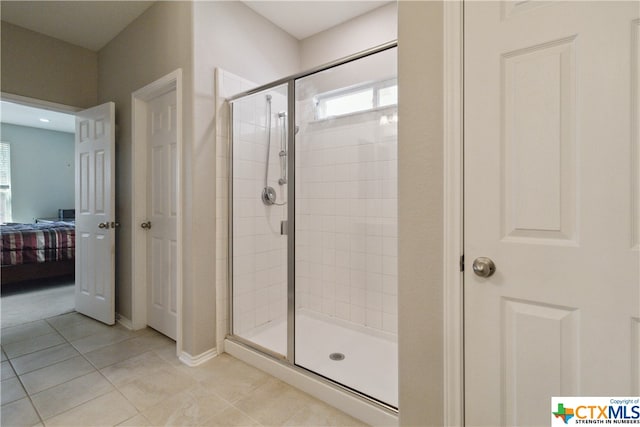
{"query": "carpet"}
(30, 301)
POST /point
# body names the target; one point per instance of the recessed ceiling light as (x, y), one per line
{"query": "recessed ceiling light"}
(45, 120)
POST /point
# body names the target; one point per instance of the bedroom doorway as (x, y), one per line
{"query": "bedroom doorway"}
(54, 247)
(36, 196)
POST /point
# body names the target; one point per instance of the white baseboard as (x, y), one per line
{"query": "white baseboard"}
(124, 321)
(192, 361)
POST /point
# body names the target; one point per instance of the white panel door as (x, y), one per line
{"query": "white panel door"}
(162, 207)
(551, 116)
(95, 213)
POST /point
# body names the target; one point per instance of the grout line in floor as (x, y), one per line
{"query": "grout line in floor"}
(29, 395)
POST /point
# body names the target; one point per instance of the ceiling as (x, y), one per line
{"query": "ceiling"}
(92, 24)
(22, 115)
(304, 18)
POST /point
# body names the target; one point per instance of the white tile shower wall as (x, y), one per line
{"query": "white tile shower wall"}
(259, 250)
(227, 84)
(346, 218)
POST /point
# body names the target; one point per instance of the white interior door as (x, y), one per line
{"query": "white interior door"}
(95, 213)
(551, 116)
(162, 206)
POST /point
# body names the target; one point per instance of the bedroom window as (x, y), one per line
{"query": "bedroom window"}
(5, 182)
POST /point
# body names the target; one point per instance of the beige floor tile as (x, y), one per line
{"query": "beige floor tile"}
(148, 391)
(107, 410)
(320, 414)
(6, 371)
(232, 417)
(168, 354)
(127, 349)
(63, 397)
(68, 319)
(11, 390)
(154, 340)
(137, 421)
(229, 377)
(26, 331)
(42, 358)
(192, 407)
(19, 413)
(82, 329)
(132, 369)
(100, 340)
(273, 403)
(61, 372)
(20, 348)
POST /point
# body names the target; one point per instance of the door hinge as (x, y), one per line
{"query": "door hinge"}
(462, 263)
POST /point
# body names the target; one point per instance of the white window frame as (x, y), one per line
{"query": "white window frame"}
(320, 100)
(5, 188)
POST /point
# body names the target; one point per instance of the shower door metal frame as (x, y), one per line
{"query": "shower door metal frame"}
(291, 222)
(289, 359)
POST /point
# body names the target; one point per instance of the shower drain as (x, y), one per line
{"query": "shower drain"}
(336, 356)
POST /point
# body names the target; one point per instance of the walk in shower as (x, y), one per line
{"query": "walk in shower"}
(313, 229)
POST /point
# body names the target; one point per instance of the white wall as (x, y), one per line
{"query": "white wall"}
(363, 32)
(232, 37)
(42, 171)
(346, 219)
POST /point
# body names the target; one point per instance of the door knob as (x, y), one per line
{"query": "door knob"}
(103, 225)
(146, 225)
(483, 267)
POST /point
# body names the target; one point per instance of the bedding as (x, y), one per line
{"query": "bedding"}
(37, 243)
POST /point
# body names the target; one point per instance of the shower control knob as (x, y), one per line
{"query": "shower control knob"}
(483, 267)
(268, 196)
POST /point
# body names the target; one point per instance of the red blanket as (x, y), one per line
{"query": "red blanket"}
(32, 243)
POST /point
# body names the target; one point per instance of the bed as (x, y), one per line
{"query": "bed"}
(37, 251)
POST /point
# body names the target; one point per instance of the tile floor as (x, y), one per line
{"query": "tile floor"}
(71, 370)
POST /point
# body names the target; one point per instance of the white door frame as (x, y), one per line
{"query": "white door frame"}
(139, 100)
(39, 103)
(453, 214)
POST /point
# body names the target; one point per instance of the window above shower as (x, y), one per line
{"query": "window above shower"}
(356, 99)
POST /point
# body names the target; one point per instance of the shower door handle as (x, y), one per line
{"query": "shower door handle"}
(284, 228)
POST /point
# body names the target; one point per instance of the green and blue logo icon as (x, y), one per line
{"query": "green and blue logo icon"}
(565, 414)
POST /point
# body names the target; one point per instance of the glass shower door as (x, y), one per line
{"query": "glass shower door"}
(346, 225)
(259, 206)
